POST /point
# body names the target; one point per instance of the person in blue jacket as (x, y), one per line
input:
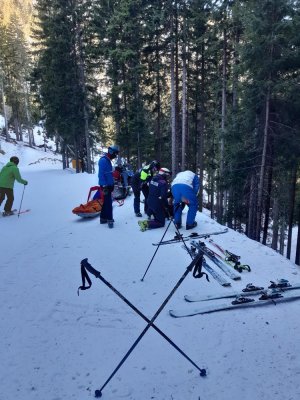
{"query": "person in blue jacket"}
(157, 200)
(106, 181)
(185, 188)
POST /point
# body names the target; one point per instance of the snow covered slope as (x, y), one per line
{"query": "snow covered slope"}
(56, 345)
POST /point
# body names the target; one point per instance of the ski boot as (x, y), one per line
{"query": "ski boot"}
(138, 214)
(7, 213)
(193, 225)
(143, 225)
(110, 223)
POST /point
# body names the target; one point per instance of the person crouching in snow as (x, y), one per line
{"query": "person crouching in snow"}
(185, 188)
(140, 183)
(157, 200)
(8, 175)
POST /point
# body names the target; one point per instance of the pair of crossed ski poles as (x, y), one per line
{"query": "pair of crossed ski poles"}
(86, 266)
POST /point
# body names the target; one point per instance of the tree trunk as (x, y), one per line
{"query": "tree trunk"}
(282, 237)
(28, 117)
(250, 231)
(262, 168)
(220, 208)
(176, 79)
(173, 102)
(82, 83)
(291, 211)
(275, 227)
(158, 143)
(184, 110)
(297, 258)
(201, 126)
(267, 205)
(4, 112)
(17, 129)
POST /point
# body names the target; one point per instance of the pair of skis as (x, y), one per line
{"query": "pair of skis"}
(194, 235)
(229, 271)
(230, 258)
(215, 274)
(276, 293)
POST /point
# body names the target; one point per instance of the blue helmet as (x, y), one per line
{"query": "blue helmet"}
(113, 149)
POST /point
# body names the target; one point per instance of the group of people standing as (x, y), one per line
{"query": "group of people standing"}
(162, 199)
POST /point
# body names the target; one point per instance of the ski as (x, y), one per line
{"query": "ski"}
(210, 254)
(266, 299)
(15, 212)
(218, 277)
(230, 258)
(194, 235)
(192, 299)
(23, 211)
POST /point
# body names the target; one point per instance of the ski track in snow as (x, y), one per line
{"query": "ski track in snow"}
(56, 345)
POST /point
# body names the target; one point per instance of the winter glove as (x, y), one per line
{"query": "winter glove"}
(25, 183)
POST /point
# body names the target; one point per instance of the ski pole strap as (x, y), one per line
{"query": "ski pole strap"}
(86, 266)
(197, 271)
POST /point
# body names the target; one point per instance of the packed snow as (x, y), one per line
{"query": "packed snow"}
(56, 345)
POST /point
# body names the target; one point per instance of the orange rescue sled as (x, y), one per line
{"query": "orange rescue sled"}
(93, 207)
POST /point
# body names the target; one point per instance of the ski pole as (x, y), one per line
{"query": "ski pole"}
(86, 265)
(21, 201)
(161, 240)
(156, 250)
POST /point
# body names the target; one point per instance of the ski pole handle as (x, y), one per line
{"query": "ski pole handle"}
(85, 264)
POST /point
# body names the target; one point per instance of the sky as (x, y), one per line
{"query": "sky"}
(56, 345)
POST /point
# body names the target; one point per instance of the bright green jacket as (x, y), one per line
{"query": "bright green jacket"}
(9, 173)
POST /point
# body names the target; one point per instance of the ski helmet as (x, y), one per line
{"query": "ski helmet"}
(154, 165)
(164, 172)
(113, 150)
(14, 159)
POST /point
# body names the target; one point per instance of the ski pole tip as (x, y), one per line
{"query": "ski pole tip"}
(98, 393)
(203, 372)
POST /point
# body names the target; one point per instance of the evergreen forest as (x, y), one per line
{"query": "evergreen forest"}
(206, 85)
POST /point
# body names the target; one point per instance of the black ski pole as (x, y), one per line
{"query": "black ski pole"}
(98, 393)
(161, 240)
(87, 266)
(156, 250)
(21, 201)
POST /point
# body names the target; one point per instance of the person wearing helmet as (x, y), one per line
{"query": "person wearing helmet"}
(157, 200)
(8, 175)
(140, 183)
(185, 188)
(106, 181)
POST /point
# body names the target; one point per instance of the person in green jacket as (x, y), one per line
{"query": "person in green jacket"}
(9, 173)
